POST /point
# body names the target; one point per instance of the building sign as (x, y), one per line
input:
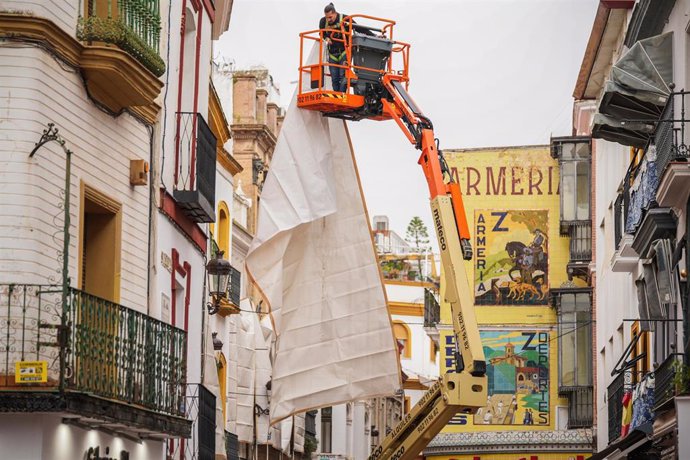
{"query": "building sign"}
(511, 266)
(31, 371)
(518, 368)
(511, 198)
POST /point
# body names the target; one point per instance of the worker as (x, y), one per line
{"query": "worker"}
(336, 47)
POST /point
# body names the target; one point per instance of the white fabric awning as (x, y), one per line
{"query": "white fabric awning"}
(314, 261)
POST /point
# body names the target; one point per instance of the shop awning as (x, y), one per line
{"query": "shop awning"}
(614, 129)
(633, 441)
(637, 92)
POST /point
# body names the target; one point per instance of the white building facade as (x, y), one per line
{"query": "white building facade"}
(99, 350)
(639, 179)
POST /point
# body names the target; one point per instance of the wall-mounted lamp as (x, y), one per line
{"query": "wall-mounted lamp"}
(218, 271)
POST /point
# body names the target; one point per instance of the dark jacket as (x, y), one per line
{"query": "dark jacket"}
(336, 47)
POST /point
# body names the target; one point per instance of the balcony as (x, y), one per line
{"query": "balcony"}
(580, 233)
(102, 364)
(664, 381)
(134, 26)
(580, 406)
(231, 305)
(673, 153)
(195, 167)
(199, 406)
(432, 309)
(232, 446)
(120, 60)
(615, 393)
(432, 315)
(625, 258)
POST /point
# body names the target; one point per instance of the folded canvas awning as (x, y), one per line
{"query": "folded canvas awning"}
(637, 92)
(613, 129)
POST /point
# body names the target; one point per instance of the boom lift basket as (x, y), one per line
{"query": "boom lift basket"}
(367, 60)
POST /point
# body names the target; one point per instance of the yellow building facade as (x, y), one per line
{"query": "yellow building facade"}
(511, 198)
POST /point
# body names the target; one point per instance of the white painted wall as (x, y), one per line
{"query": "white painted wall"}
(45, 437)
(169, 237)
(64, 13)
(169, 98)
(38, 90)
(405, 293)
(419, 362)
(615, 292)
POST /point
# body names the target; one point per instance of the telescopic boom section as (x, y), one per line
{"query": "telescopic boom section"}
(466, 389)
(450, 222)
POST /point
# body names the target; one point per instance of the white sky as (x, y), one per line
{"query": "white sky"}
(487, 73)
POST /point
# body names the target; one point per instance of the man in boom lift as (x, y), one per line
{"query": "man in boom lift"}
(334, 21)
(336, 47)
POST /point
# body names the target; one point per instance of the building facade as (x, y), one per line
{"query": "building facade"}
(103, 265)
(532, 299)
(639, 168)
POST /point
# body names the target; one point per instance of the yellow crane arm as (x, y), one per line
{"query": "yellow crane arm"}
(465, 390)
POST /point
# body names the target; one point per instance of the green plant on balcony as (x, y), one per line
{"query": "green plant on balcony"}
(681, 377)
(135, 29)
(310, 445)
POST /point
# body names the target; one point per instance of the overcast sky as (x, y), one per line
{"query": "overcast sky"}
(487, 73)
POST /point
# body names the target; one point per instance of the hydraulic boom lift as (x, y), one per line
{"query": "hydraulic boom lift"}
(377, 90)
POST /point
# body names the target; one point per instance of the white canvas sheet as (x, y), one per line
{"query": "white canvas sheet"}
(315, 263)
(246, 363)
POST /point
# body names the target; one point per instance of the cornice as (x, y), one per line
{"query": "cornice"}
(409, 283)
(405, 308)
(258, 131)
(511, 441)
(228, 162)
(414, 384)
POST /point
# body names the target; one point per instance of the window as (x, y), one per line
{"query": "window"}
(223, 234)
(404, 338)
(574, 158)
(99, 248)
(433, 351)
(642, 350)
(326, 429)
(575, 338)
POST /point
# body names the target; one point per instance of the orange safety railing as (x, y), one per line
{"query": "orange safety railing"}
(398, 64)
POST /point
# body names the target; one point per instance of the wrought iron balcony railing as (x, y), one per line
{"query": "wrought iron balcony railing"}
(199, 407)
(664, 386)
(639, 188)
(232, 446)
(132, 25)
(432, 309)
(92, 346)
(580, 241)
(615, 393)
(195, 167)
(235, 286)
(671, 136)
(580, 406)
